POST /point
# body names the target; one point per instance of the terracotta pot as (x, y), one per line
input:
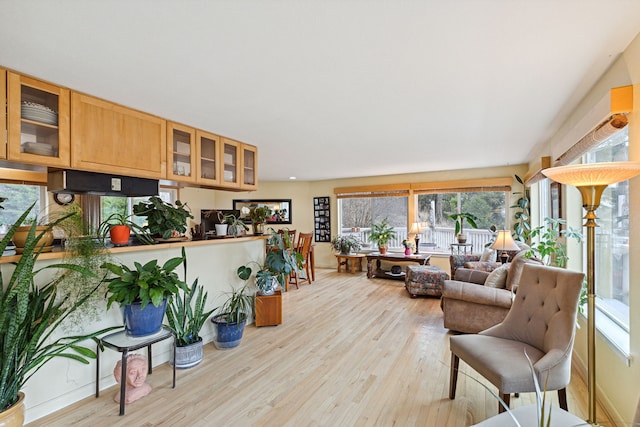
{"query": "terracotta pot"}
(14, 416)
(20, 236)
(119, 234)
(382, 249)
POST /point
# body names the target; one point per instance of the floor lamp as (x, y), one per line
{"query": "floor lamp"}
(591, 180)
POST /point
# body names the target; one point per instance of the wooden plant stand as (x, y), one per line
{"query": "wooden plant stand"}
(269, 309)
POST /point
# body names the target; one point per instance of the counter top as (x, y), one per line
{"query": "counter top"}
(58, 253)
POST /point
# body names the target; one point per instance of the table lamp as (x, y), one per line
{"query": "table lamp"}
(415, 229)
(504, 242)
(591, 180)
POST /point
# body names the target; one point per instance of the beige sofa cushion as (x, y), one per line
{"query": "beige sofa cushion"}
(497, 278)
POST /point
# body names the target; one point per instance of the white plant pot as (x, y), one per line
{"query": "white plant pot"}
(221, 229)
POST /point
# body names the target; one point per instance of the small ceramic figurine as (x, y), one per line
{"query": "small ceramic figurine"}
(135, 376)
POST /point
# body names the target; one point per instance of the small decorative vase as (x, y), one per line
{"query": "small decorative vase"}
(258, 228)
(407, 251)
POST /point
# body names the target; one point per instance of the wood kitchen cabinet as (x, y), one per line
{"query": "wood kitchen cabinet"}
(230, 163)
(37, 121)
(181, 153)
(110, 138)
(249, 162)
(3, 114)
(208, 158)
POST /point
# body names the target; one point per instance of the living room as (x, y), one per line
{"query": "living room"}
(618, 373)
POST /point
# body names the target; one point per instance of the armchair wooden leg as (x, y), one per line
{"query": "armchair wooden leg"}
(506, 397)
(562, 399)
(453, 378)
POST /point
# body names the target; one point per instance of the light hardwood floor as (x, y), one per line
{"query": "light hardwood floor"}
(350, 352)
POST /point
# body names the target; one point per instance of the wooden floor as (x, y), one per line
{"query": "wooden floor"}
(350, 352)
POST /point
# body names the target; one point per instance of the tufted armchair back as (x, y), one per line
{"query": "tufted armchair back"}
(543, 315)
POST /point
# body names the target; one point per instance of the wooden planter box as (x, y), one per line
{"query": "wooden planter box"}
(269, 309)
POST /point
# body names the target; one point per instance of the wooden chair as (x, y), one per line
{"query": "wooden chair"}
(292, 237)
(303, 247)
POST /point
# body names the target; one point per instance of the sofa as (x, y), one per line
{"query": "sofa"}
(476, 299)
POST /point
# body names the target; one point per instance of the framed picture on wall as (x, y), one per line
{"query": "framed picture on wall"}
(322, 223)
(556, 200)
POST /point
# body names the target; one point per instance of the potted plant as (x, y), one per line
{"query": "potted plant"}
(280, 259)
(186, 316)
(345, 244)
(258, 216)
(164, 221)
(30, 313)
(459, 218)
(381, 234)
(119, 227)
(142, 292)
(409, 246)
(42, 227)
(232, 316)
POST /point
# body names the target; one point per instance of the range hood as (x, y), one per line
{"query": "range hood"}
(100, 184)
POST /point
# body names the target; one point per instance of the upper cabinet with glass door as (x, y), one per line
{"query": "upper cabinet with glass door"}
(230, 163)
(208, 163)
(181, 153)
(249, 163)
(38, 122)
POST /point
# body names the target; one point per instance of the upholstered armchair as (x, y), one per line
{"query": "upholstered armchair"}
(476, 300)
(541, 321)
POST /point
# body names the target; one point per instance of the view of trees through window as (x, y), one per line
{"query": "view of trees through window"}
(357, 215)
(19, 198)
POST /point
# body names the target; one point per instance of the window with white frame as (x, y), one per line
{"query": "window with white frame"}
(612, 237)
(358, 214)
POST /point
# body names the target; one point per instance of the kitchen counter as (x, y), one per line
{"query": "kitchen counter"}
(58, 252)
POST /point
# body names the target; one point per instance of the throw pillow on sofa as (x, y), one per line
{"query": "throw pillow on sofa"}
(497, 278)
(488, 255)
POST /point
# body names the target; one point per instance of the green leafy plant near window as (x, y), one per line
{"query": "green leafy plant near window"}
(382, 233)
(460, 218)
(345, 244)
(119, 218)
(163, 219)
(522, 215)
(547, 241)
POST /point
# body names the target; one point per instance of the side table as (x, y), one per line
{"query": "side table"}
(462, 246)
(124, 343)
(350, 262)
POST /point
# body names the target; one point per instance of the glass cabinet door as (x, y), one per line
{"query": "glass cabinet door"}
(249, 166)
(231, 157)
(181, 152)
(208, 165)
(38, 122)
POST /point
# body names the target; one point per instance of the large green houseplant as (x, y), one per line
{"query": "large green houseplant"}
(186, 316)
(459, 219)
(381, 234)
(29, 315)
(143, 287)
(163, 219)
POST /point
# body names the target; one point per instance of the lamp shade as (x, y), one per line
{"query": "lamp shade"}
(415, 228)
(504, 242)
(593, 174)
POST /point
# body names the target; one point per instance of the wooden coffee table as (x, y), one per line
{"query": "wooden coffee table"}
(393, 257)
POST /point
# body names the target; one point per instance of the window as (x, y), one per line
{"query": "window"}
(19, 198)
(110, 205)
(357, 215)
(438, 230)
(612, 236)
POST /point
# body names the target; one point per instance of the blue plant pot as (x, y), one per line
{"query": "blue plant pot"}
(139, 322)
(228, 335)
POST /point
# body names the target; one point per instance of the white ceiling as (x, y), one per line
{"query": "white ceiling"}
(334, 88)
